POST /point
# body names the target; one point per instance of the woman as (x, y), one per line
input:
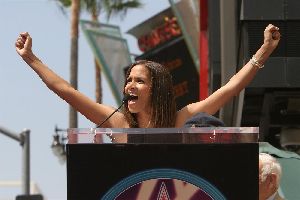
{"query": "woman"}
(151, 84)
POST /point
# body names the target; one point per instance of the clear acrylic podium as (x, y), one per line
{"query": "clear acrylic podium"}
(163, 163)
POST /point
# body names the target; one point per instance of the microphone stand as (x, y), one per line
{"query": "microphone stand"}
(125, 98)
(98, 126)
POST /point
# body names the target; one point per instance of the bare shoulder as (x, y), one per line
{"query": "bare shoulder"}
(188, 111)
(120, 121)
(116, 120)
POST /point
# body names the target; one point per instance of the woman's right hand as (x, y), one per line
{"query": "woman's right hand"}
(24, 44)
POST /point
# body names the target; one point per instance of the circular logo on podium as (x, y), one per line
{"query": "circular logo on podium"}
(163, 184)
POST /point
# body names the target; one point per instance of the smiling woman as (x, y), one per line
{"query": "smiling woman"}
(151, 85)
(155, 107)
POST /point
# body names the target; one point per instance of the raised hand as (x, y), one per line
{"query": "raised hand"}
(271, 36)
(24, 44)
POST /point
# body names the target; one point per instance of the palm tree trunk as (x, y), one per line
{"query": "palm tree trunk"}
(75, 12)
(98, 86)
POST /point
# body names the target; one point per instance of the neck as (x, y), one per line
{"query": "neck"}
(144, 120)
(272, 196)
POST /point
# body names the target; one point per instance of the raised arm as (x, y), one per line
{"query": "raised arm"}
(238, 82)
(93, 111)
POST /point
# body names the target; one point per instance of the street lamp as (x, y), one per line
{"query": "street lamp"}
(24, 139)
(58, 145)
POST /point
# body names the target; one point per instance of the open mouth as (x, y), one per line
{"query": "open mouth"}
(133, 97)
(129, 97)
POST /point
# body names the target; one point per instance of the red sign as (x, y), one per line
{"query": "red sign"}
(168, 30)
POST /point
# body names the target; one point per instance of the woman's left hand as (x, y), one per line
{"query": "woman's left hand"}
(271, 36)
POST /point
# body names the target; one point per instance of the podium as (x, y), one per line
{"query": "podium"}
(163, 163)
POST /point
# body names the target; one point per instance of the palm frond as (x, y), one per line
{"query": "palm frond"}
(92, 6)
(65, 3)
(110, 7)
(119, 7)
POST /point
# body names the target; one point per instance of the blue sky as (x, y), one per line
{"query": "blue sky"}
(27, 103)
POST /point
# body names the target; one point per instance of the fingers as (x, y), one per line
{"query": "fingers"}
(19, 45)
(272, 31)
(20, 42)
(276, 35)
(271, 28)
(23, 37)
(23, 41)
(24, 34)
(23, 44)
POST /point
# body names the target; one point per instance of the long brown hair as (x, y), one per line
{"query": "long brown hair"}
(163, 106)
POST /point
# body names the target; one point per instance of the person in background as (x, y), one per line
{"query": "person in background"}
(203, 119)
(269, 177)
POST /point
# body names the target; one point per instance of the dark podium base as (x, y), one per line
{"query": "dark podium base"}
(92, 170)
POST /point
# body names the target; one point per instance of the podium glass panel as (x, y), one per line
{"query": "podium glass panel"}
(165, 135)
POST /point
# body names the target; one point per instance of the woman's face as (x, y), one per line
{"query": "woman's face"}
(139, 84)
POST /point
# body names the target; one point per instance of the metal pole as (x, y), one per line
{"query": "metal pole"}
(26, 162)
(228, 28)
(24, 140)
(10, 134)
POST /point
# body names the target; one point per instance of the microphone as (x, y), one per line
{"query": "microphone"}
(126, 98)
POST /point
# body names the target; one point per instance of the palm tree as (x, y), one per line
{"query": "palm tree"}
(94, 7)
(75, 13)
